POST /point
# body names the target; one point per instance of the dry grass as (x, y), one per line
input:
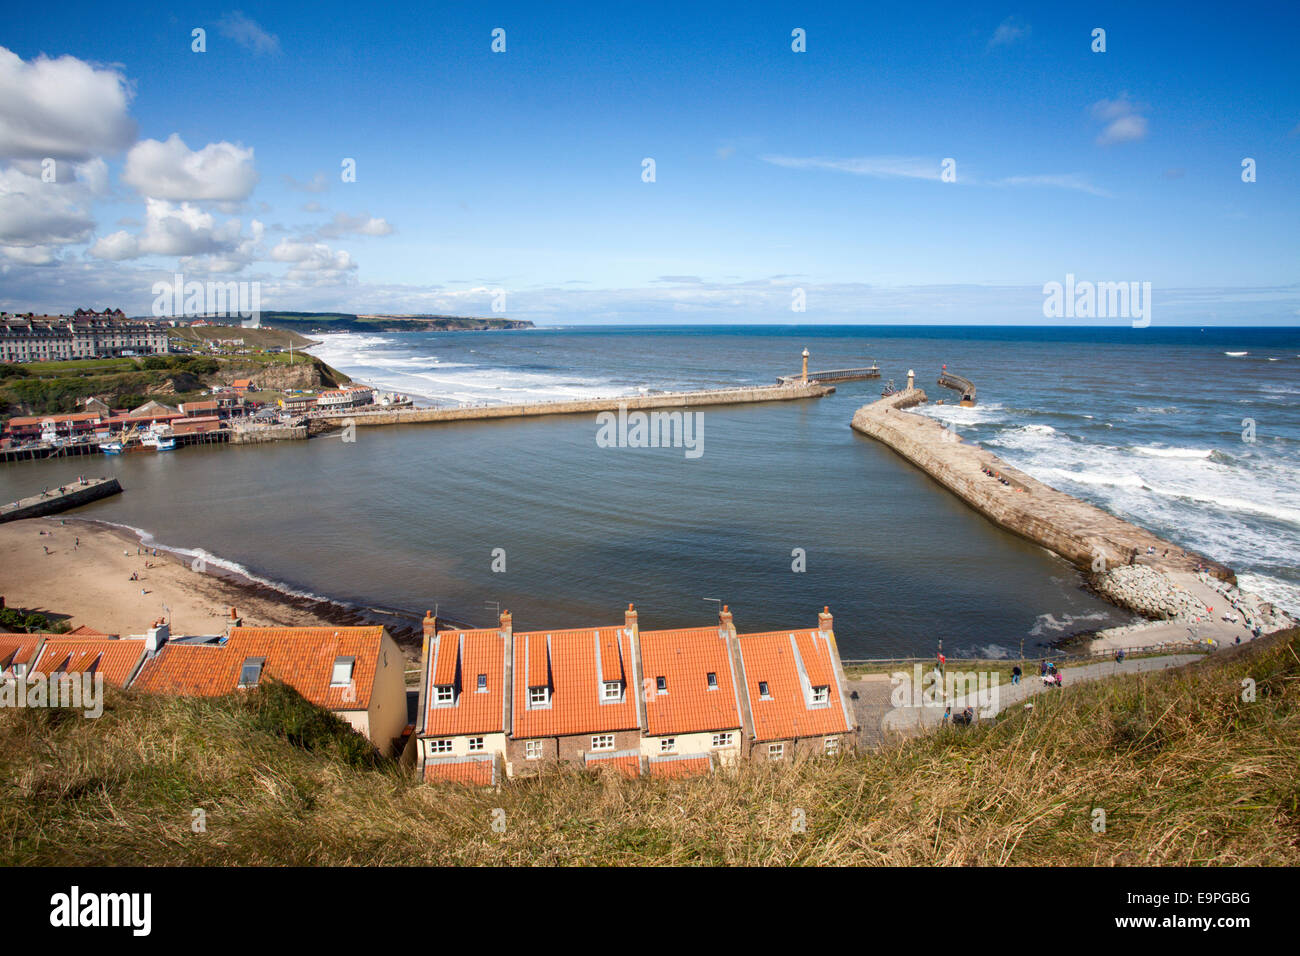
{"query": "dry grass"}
(1186, 772)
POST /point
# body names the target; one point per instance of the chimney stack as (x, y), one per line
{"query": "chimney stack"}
(629, 618)
(235, 619)
(430, 625)
(724, 619)
(157, 636)
(507, 621)
(825, 621)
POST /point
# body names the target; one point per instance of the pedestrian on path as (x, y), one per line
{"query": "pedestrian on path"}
(1015, 674)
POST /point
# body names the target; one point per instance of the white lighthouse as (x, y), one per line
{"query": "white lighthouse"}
(805, 366)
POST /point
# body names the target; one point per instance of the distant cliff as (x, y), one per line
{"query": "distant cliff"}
(307, 322)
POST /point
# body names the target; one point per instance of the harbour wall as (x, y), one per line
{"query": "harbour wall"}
(1093, 540)
(53, 502)
(264, 433)
(721, 396)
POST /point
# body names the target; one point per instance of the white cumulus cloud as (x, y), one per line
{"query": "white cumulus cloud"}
(219, 172)
(62, 108)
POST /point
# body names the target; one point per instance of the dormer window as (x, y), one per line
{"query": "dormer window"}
(482, 683)
(763, 691)
(613, 690)
(444, 695)
(713, 681)
(251, 672)
(821, 695)
(539, 696)
(341, 676)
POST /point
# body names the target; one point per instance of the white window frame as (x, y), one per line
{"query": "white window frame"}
(724, 739)
(764, 690)
(775, 751)
(602, 742)
(257, 662)
(532, 750)
(342, 662)
(440, 746)
(821, 694)
(481, 686)
(539, 697)
(832, 745)
(661, 684)
(475, 744)
(444, 695)
(667, 745)
(612, 690)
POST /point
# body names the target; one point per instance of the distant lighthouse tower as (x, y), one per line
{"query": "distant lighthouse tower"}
(805, 366)
(911, 379)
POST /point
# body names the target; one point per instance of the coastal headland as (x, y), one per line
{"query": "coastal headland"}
(1127, 565)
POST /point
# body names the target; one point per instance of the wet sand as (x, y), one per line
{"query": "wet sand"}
(81, 572)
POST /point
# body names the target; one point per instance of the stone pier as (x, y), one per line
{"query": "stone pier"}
(1091, 539)
(718, 396)
(54, 500)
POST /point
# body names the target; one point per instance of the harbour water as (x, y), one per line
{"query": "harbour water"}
(1148, 423)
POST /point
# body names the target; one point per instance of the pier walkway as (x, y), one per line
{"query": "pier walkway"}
(50, 502)
(679, 400)
(833, 375)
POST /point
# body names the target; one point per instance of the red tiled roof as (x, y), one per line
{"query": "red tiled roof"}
(685, 658)
(474, 712)
(115, 659)
(84, 631)
(575, 681)
(302, 657)
(771, 657)
(17, 649)
(477, 771)
(681, 767)
(627, 764)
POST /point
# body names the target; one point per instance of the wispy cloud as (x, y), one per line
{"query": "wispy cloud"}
(248, 33)
(1008, 32)
(919, 167)
(881, 167)
(1054, 180)
(1123, 118)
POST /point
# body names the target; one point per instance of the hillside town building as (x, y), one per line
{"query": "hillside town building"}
(83, 337)
(497, 704)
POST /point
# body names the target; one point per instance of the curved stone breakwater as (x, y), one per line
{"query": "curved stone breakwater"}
(1091, 539)
(1127, 565)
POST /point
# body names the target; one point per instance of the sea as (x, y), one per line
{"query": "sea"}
(1192, 433)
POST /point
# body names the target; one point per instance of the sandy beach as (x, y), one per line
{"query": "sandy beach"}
(83, 572)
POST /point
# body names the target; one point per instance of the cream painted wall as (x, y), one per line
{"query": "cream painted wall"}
(694, 744)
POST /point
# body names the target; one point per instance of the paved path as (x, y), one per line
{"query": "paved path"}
(880, 722)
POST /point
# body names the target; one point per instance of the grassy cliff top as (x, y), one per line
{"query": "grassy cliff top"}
(1186, 771)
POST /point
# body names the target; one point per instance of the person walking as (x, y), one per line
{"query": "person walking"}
(1015, 674)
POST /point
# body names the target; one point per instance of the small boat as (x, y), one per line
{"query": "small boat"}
(158, 437)
(111, 447)
(888, 390)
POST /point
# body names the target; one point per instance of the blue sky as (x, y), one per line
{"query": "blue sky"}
(522, 171)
